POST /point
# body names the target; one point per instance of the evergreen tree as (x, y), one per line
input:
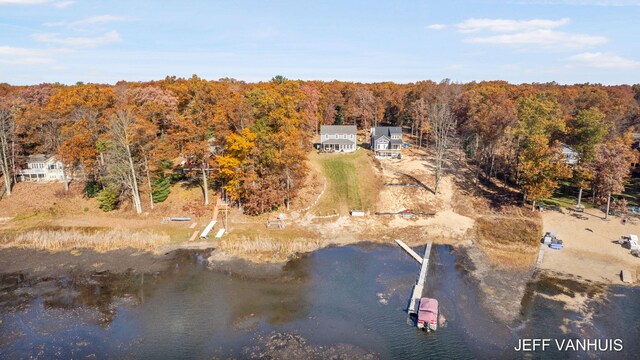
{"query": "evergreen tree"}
(109, 197)
(160, 189)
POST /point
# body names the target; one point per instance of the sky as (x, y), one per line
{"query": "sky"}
(520, 41)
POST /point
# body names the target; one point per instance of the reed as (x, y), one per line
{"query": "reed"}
(101, 241)
(268, 245)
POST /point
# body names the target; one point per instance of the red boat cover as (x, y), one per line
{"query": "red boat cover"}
(428, 304)
(428, 311)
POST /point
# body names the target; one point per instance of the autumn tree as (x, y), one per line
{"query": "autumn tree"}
(586, 130)
(309, 105)
(419, 111)
(126, 134)
(489, 117)
(192, 132)
(360, 106)
(541, 167)
(37, 130)
(235, 165)
(81, 114)
(611, 168)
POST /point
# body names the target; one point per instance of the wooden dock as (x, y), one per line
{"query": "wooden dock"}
(540, 255)
(416, 293)
(410, 251)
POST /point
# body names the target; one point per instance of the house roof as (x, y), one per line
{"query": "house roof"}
(338, 129)
(380, 131)
(339, 142)
(38, 158)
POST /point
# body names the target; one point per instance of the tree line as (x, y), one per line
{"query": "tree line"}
(251, 140)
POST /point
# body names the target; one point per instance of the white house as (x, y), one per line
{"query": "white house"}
(386, 142)
(41, 168)
(570, 156)
(338, 138)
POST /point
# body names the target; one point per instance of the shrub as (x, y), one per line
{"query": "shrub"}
(91, 188)
(109, 197)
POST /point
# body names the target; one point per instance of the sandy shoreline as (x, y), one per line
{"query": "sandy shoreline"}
(590, 250)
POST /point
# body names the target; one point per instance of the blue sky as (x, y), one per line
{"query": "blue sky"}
(568, 41)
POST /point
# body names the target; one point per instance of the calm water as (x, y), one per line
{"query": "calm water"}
(352, 295)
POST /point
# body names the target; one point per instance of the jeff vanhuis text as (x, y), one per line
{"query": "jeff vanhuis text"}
(534, 345)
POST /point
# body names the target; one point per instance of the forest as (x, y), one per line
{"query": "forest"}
(252, 139)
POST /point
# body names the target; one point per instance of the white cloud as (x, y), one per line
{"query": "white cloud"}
(16, 56)
(107, 38)
(603, 60)
(435, 26)
(545, 38)
(101, 19)
(9, 50)
(506, 25)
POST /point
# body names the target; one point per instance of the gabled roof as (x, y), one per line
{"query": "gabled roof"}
(38, 158)
(378, 132)
(338, 129)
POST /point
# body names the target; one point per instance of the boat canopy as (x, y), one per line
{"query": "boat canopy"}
(428, 304)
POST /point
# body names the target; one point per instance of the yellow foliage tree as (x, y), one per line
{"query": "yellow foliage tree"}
(541, 167)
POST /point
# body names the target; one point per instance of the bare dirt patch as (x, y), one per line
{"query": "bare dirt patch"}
(590, 250)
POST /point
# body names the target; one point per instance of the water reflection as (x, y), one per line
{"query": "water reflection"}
(351, 300)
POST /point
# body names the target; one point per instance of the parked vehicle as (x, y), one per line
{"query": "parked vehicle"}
(556, 244)
(630, 242)
(549, 237)
(428, 314)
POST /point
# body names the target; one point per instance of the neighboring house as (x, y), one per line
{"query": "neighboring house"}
(386, 141)
(570, 157)
(42, 168)
(338, 138)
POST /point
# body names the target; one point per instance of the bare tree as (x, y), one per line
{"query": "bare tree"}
(443, 125)
(419, 110)
(122, 165)
(205, 183)
(7, 130)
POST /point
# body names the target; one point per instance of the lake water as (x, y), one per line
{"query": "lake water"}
(348, 301)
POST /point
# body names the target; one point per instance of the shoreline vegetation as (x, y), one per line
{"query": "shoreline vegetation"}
(478, 159)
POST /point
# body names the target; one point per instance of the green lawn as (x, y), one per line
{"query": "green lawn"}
(632, 192)
(567, 195)
(351, 182)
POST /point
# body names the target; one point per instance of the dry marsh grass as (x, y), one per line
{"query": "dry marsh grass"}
(101, 241)
(269, 244)
(272, 246)
(509, 242)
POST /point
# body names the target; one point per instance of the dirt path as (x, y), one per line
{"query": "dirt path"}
(590, 251)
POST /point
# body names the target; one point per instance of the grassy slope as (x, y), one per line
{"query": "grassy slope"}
(351, 182)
